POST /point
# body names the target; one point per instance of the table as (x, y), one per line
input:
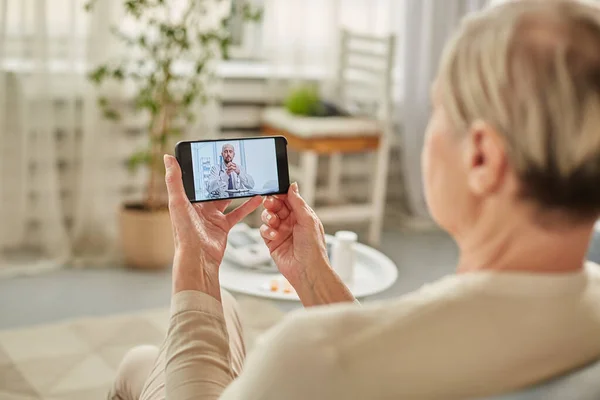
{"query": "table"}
(374, 273)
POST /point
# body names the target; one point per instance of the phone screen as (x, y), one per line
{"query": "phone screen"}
(225, 169)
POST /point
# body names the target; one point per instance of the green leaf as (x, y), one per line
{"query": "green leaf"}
(189, 98)
(133, 7)
(207, 37)
(176, 132)
(89, 6)
(167, 30)
(162, 139)
(111, 114)
(108, 112)
(225, 45)
(102, 101)
(252, 14)
(138, 158)
(190, 116)
(118, 74)
(145, 101)
(98, 75)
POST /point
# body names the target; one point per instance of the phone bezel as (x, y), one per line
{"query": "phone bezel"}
(183, 154)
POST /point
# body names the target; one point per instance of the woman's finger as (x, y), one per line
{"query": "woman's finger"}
(285, 199)
(268, 233)
(178, 201)
(243, 210)
(222, 205)
(283, 213)
(270, 219)
(273, 203)
(277, 206)
(173, 179)
(302, 211)
(210, 206)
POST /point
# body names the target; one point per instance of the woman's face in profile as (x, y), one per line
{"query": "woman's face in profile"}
(444, 176)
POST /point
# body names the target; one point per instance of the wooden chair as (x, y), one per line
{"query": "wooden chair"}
(363, 87)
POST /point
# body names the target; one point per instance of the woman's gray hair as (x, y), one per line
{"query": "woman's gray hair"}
(531, 69)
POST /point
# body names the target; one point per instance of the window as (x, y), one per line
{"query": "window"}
(292, 32)
(245, 25)
(42, 29)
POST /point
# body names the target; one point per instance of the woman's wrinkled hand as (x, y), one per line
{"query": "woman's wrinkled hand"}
(294, 235)
(200, 231)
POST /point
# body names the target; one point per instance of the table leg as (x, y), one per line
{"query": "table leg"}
(308, 188)
(379, 192)
(335, 176)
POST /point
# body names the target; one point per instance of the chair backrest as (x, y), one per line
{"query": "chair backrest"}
(582, 384)
(364, 78)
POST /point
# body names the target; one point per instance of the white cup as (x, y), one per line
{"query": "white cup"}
(343, 256)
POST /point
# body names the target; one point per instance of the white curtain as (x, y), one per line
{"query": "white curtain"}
(301, 37)
(57, 181)
(63, 174)
(427, 26)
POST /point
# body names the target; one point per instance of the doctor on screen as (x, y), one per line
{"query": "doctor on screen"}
(228, 176)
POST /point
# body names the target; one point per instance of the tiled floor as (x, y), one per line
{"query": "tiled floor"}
(74, 359)
(78, 359)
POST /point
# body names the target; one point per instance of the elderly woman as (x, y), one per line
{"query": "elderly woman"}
(511, 168)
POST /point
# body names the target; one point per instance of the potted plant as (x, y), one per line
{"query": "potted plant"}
(169, 62)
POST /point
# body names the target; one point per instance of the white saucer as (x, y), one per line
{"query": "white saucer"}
(374, 273)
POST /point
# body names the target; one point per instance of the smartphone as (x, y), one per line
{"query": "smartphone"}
(234, 168)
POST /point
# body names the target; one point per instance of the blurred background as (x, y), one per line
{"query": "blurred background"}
(68, 162)
(92, 93)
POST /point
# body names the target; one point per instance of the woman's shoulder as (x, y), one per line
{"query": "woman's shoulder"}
(327, 322)
(453, 293)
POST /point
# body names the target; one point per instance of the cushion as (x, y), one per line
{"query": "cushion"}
(582, 384)
(313, 127)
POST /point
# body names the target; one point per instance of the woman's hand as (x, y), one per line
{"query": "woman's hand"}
(296, 239)
(294, 235)
(200, 232)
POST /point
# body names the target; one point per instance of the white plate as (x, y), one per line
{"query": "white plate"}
(374, 273)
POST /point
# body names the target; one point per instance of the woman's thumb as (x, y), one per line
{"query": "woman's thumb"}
(297, 203)
(178, 201)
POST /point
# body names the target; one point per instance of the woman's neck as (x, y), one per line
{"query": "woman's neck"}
(519, 245)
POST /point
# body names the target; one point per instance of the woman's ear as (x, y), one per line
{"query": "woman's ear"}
(485, 158)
